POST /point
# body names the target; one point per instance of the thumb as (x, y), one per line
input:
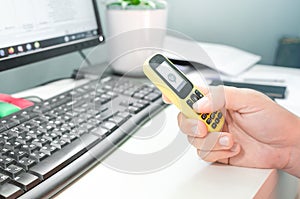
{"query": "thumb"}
(213, 100)
(231, 98)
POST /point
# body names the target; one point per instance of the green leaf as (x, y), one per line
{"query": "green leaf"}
(135, 2)
(115, 4)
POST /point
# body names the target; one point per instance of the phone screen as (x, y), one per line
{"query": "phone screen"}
(170, 75)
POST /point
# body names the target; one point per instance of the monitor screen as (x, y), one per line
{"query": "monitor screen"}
(33, 30)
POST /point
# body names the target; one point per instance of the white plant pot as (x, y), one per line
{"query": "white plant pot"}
(133, 35)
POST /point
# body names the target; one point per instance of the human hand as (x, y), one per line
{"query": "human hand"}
(257, 132)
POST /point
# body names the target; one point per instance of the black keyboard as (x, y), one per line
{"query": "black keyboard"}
(43, 148)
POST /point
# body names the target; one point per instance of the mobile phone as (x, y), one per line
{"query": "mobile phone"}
(179, 90)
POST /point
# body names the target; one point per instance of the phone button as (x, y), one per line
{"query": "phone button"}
(200, 95)
(208, 121)
(204, 116)
(213, 115)
(190, 103)
(194, 98)
(214, 125)
(220, 115)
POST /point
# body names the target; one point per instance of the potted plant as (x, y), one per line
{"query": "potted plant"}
(133, 26)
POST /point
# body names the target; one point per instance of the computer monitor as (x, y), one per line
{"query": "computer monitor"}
(34, 30)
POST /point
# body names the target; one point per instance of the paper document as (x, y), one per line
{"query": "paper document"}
(225, 59)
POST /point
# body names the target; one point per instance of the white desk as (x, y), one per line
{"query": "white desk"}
(188, 176)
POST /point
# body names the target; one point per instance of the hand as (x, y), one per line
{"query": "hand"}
(257, 132)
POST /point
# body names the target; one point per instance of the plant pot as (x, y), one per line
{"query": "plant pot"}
(134, 35)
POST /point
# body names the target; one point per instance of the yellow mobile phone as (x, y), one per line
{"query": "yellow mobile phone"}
(179, 90)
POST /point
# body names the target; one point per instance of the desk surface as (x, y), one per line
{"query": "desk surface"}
(188, 176)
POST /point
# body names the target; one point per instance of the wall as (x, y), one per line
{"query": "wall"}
(254, 26)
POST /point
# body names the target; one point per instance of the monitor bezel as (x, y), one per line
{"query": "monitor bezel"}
(57, 51)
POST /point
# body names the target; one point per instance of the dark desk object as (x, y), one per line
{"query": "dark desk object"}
(288, 53)
(271, 91)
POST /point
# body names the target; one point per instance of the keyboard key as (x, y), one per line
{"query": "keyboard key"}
(3, 178)
(110, 126)
(59, 143)
(5, 161)
(7, 136)
(37, 133)
(145, 102)
(2, 128)
(30, 125)
(68, 137)
(9, 191)
(152, 96)
(29, 148)
(100, 132)
(126, 102)
(19, 130)
(48, 149)
(26, 181)
(4, 150)
(139, 95)
(133, 109)
(118, 120)
(40, 142)
(51, 136)
(38, 156)
(13, 170)
(64, 156)
(17, 155)
(23, 139)
(26, 163)
(138, 105)
(125, 115)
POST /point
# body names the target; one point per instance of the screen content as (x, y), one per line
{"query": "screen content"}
(171, 76)
(29, 26)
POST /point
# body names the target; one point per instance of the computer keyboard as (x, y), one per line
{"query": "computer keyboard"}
(43, 148)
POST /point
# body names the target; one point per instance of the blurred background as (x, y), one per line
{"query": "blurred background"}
(255, 26)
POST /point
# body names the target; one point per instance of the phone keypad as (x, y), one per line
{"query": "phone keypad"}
(199, 94)
(212, 119)
(190, 103)
(194, 98)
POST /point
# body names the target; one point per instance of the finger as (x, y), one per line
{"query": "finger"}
(224, 161)
(214, 100)
(204, 90)
(238, 99)
(212, 142)
(232, 98)
(166, 100)
(191, 127)
(214, 156)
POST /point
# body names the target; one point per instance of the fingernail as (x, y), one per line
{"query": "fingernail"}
(195, 130)
(234, 148)
(194, 124)
(224, 141)
(200, 103)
